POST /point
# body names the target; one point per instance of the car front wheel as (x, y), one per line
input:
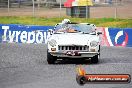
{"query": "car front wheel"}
(50, 59)
(94, 59)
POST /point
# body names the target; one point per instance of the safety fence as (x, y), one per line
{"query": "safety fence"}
(64, 8)
(12, 33)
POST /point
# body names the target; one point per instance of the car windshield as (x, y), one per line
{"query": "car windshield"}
(74, 28)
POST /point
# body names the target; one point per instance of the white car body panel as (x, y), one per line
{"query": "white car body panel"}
(74, 39)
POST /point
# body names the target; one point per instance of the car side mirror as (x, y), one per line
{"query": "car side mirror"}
(99, 33)
(50, 31)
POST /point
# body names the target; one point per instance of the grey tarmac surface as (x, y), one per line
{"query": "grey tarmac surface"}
(25, 66)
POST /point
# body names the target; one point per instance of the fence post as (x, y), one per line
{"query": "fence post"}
(60, 7)
(8, 7)
(115, 9)
(33, 13)
(87, 10)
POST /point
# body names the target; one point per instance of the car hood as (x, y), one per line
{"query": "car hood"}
(74, 38)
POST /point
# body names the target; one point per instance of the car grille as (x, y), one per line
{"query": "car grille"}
(80, 48)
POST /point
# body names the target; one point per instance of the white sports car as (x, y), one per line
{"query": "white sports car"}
(73, 40)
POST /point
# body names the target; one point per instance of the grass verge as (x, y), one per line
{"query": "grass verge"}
(100, 22)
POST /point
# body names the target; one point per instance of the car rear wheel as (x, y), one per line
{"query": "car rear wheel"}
(50, 59)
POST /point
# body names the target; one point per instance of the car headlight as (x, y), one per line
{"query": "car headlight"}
(52, 42)
(93, 44)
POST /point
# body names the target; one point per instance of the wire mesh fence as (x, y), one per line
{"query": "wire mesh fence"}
(55, 8)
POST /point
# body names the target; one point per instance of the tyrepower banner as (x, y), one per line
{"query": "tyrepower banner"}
(23, 34)
(12, 33)
(116, 36)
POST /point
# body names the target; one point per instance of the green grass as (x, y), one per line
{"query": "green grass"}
(100, 22)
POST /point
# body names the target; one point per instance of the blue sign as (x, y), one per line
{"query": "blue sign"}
(120, 37)
(12, 33)
(24, 34)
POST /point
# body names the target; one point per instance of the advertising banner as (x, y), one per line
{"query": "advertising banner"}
(120, 36)
(23, 34)
(116, 36)
(12, 33)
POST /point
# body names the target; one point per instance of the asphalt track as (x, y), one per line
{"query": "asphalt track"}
(25, 66)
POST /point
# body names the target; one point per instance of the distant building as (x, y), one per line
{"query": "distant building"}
(78, 8)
